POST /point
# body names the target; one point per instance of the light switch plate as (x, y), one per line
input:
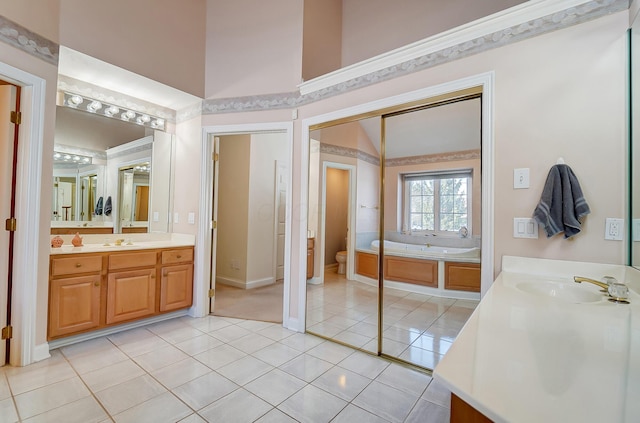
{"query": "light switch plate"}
(191, 218)
(156, 216)
(525, 227)
(176, 217)
(521, 178)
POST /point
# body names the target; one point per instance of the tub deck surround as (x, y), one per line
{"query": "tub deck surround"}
(95, 243)
(532, 357)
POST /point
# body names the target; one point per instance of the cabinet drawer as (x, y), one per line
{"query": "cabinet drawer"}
(75, 265)
(128, 260)
(177, 256)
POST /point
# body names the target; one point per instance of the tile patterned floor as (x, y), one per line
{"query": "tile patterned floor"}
(417, 328)
(217, 369)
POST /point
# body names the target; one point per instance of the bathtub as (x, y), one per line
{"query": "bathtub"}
(428, 269)
(427, 250)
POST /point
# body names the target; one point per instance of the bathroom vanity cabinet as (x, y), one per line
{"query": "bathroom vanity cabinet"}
(94, 290)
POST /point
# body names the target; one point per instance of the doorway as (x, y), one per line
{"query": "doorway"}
(250, 214)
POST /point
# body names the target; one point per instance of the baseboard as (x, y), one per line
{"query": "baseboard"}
(293, 324)
(330, 266)
(261, 282)
(57, 343)
(237, 283)
(316, 280)
(41, 352)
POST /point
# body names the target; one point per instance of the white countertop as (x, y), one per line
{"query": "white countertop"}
(524, 357)
(97, 243)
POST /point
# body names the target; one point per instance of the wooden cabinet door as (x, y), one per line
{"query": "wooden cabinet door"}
(130, 294)
(176, 287)
(74, 305)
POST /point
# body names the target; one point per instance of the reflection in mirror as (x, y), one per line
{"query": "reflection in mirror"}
(429, 247)
(344, 184)
(89, 151)
(134, 197)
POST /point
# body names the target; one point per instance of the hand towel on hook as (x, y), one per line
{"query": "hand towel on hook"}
(562, 204)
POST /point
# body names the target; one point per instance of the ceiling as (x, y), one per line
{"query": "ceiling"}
(442, 129)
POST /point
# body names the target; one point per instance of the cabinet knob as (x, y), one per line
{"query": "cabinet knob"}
(78, 265)
(178, 256)
(165, 273)
(153, 276)
(96, 284)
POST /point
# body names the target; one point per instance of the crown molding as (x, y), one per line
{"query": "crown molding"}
(526, 20)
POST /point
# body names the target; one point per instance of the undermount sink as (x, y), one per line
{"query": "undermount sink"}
(561, 291)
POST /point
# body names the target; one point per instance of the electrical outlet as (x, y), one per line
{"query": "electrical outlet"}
(614, 229)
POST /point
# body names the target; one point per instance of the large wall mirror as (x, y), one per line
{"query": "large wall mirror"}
(634, 147)
(110, 176)
(395, 209)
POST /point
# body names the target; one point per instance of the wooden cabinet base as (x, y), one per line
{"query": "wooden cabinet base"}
(461, 412)
(94, 290)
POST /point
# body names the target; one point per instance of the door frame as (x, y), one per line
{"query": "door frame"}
(23, 348)
(203, 267)
(351, 216)
(484, 80)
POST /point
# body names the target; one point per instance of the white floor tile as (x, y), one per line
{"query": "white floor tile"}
(238, 407)
(204, 390)
(245, 370)
(302, 341)
(8, 411)
(180, 373)
(38, 375)
(157, 359)
(85, 410)
(198, 344)
(147, 344)
(276, 416)
(437, 394)
(277, 354)
(165, 408)
(49, 397)
(427, 412)
(331, 352)
(115, 374)
(194, 418)
(251, 343)
(364, 364)
(130, 393)
(275, 386)
(306, 367)
(386, 402)
(352, 414)
(342, 383)
(229, 333)
(219, 356)
(312, 404)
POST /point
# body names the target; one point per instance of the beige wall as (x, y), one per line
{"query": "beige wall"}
(233, 208)
(186, 162)
(163, 40)
(253, 47)
(372, 27)
(322, 38)
(39, 16)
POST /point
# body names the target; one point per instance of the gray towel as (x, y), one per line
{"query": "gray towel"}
(98, 210)
(107, 206)
(562, 204)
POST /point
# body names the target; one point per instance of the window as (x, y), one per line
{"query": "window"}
(437, 202)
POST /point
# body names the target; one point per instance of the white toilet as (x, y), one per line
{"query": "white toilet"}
(341, 258)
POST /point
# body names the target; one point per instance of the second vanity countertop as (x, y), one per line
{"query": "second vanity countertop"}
(96, 243)
(529, 357)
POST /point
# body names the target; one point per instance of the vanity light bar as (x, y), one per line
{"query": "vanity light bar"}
(71, 158)
(90, 105)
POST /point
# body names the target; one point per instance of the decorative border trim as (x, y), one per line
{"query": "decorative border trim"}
(21, 38)
(443, 48)
(349, 152)
(434, 158)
